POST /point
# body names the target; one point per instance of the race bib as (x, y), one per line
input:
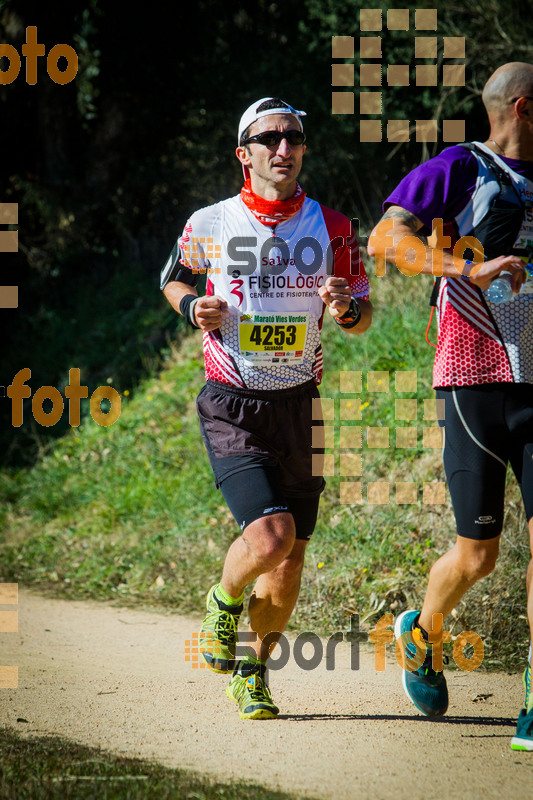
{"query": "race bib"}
(273, 338)
(524, 240)
(527, 287)
(524, 247)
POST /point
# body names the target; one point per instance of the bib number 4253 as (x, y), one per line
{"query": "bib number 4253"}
(278, 335)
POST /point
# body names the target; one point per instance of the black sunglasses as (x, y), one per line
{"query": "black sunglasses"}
(273, 138)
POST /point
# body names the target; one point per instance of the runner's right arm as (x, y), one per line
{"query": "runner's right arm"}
(179, 279)
(207, 312)
(398, 223)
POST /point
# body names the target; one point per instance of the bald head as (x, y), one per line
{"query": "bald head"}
(508, 82)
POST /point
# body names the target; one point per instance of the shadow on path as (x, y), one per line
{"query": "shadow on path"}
(489, 721)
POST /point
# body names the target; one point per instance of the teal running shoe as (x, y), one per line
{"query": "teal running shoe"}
(218, 634)
(524, 727)
(524, 732)
(424, 687)
(249, 690)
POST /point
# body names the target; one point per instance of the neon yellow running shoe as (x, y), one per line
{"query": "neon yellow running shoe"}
(218, 634)
(526, 678)
(248, 689)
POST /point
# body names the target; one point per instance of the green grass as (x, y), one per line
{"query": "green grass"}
(130, 512)
(50, 768)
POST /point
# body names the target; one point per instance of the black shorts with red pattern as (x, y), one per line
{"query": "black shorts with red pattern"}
(263, 451)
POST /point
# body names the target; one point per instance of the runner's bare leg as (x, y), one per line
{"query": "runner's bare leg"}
(262, 546)
(454, 573)
(274, 598)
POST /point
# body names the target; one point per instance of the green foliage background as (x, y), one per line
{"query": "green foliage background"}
(106, 171)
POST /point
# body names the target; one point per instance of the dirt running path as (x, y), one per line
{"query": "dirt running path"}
(117, 679)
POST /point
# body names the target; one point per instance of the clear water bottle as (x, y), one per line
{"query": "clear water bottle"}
(500, 290)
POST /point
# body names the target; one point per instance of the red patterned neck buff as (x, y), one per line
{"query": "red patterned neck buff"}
(272, 212)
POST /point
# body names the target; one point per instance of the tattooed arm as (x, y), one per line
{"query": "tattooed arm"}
(397, 239)
(403, 219)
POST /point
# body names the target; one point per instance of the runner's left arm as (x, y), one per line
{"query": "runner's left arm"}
(349, 280)
(179, 277)
(337, 295)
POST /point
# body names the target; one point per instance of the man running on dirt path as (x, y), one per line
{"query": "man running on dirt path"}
(274, 260)
(483, 371)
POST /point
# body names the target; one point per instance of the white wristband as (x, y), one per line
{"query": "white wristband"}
(191, 313)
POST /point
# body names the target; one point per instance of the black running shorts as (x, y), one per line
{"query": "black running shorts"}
(260, 446)
(487, 427)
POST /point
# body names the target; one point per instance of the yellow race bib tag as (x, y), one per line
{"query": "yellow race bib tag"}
(273, 338)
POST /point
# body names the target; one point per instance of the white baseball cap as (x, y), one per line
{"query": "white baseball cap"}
(265, 107)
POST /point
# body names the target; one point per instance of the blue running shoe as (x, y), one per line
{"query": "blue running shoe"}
(424, 687)
(524, 732)
(524, 727)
